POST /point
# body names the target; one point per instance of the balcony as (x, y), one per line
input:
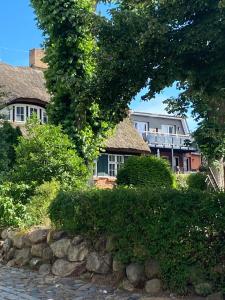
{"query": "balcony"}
(169, 141)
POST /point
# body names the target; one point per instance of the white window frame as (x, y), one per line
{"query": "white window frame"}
(116, 163)
(18, 120)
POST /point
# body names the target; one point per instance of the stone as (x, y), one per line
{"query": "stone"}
(60, 248)
(78, 252)
(203, 289)
(20, 241)
(127, 286)
(64, 268)
(38, 236)
(37, 249)
(77, 240)
(100, 264)
(153, 286)
(7, 245)
(22, 257)
(1, 244)
(135, 274)
(55, 236)
(5, 232)
(45, 269)
(10, 254)
(110, 244)
(152, 269)
(11, 263)
(47, 254)
(216, 296)
(118, 266)
(35, 262)
(100, 244)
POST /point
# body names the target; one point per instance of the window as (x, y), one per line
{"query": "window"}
(169, 129)
(33, 111)
(45, 117)
(20, 115)
(115, 163)
(142, 127)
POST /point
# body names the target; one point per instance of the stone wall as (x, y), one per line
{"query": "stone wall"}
(57, 253)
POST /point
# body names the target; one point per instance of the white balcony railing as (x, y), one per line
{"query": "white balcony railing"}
(165, 140)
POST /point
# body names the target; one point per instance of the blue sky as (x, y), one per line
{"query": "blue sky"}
(19, 33)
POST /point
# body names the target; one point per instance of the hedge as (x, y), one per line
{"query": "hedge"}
(184, 230)
(197, 181)
(148, 171)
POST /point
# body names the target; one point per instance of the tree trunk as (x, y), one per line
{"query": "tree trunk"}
(218, 171)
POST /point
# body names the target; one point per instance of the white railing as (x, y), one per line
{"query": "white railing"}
(168, 140)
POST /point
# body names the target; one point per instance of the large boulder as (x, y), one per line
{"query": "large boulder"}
(5, 233)
(55, 236)
(100, 264)
(153, 286)
(20, 241)
(45, 269)
(152, 269)
(22, 257)
(60, 248)
(37, 249)
(6, 245)
(135, 274)
(63, 268)
(78, 252)
(127, 286)
(38, 236)
(77, 240)
(47, 254)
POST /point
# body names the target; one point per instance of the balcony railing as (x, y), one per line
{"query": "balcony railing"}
(164, 140)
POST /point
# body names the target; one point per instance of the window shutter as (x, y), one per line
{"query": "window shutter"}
(102, 165)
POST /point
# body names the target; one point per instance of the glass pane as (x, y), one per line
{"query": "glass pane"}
(112, 170)
(120, 159)
(112, 158)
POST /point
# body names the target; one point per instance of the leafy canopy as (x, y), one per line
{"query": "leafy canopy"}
(45, 153)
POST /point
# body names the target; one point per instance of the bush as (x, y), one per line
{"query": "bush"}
(181, 181)
(37, 208)
(11, 214)
(184, 230)
(146, 170)
(197, 181)
(46, 153)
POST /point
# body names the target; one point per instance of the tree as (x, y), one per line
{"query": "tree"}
(45, 153)
(70, 53)
(8, 140)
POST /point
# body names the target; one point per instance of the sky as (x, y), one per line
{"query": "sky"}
(19, 33)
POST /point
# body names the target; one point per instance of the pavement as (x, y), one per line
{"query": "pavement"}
(23, 284)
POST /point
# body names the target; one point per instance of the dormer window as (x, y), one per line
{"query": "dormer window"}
(20, 114)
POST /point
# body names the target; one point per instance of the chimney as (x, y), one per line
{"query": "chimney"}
(36, 56)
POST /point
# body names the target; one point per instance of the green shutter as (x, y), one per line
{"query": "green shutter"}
(102, 165)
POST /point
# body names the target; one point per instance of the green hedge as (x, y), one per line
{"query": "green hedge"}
(197, 181)
(146, 170)
(184, 230)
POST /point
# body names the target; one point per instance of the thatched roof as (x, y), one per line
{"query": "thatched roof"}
(22, 82)
(126, 139)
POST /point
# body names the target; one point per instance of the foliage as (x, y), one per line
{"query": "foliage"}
(166, 42)
(8, 140)
(181, 181)
(37, 208)
(182, 229)
(197, 181)
(146, 170)
(11, 213)
(70, 53)
(46, 153)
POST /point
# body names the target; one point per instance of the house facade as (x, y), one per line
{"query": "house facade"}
(168, 137)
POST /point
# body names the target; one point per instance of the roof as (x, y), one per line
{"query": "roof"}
(126, 139)
(22, 82)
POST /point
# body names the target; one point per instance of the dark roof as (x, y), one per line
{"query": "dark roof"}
(126, 139)
(22, 82)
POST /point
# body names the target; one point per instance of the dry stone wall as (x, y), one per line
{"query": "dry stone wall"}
(62, 255)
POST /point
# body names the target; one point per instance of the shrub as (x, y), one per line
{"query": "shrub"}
(181, 181)
(8, 139)
(146, 170)
(37, 208)
(11, 214)
(46, 153)
(182, 229)
(197, 181)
